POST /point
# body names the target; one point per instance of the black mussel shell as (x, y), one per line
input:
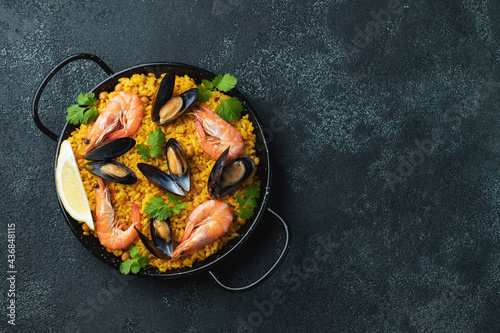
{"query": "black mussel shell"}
(151, 246)
(216, 188)
(187, 98)
(110, 150)
(157, 245)
(162, 95)
(221, 190)
(216, 172)
(183, 180)
(112, 171)
(162, 244)
(160, 178)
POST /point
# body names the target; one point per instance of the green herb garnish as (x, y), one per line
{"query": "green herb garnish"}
(85, 111)
(156, 140)
(136, 263)
(248, 203)
(224, 82)
(230, 108)
(156, 207)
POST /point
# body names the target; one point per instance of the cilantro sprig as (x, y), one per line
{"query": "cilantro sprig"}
(248, 203)
(85, 111)
(156, 207)
(136, 263)
(230, 108)
(156, 140)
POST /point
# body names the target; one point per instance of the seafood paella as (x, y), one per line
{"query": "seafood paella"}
(167, 173)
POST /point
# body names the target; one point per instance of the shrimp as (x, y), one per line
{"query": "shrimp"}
(220, 134)
(108, 230)
(206, 223)
(124, 108)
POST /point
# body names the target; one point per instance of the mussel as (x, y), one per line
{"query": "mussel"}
(160, 178)
(110, 150)
(162, 95)
(167, 108)
(161, 243)
(224, 178)
(113, 171)
(177, 164)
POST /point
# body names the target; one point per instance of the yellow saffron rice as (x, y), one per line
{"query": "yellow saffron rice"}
(200, 165)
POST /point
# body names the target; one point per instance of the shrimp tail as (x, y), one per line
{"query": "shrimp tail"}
(122, 133)
(136, 216)
(200, 131)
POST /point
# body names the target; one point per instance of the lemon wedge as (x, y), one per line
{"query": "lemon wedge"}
(70, 186)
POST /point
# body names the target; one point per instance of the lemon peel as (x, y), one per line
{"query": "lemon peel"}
(70, 186)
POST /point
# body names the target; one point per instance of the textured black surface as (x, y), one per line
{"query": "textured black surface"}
(383, 124)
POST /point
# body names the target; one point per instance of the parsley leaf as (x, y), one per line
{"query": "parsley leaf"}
(203, 94)
(173, 198)
(156, 151)
(161, 210)
(83, 112)
(245, 213)
(143, 151)
(177, 208)
(87, 99)
(90, 115)
(253, 191)
(156, 140)
(154, 207)
(74, 114)
(135, 266)
(216, 81)
(134, 252)
(125, 266)
(208, 85)
(241, 200)
(247, 205)
(225, 83)
(164, 213)
(229, 109)
(252, 203)
(135, 262)
(143, 261)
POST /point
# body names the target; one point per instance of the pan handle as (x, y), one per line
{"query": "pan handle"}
(49, 76)
(270, 271)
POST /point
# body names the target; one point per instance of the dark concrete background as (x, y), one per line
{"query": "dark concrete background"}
(384, 133)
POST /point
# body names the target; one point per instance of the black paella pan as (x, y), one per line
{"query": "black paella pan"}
(263, 171)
